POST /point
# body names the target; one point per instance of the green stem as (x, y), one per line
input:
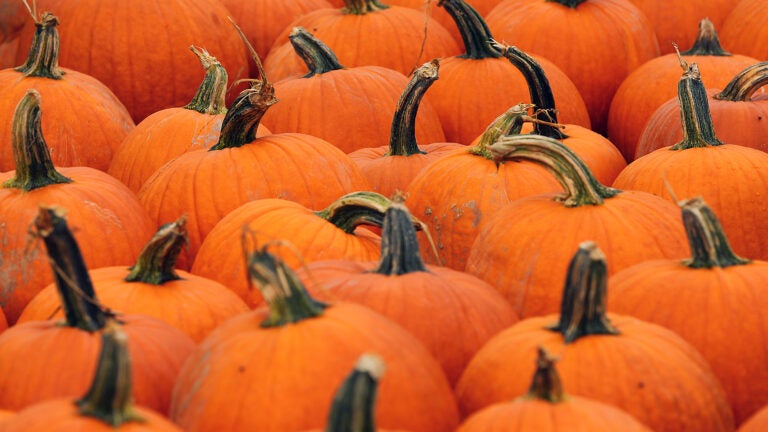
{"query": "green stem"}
(242, 119)
(211, 94)
(582, 311)
(509, 123)
(745, 84)
(399, 244)
(362, 7)
(546, 384)
(581, 186)
(354, 405)
(698, 130)
(355, 209)
(473, 29)
(43, 58)
(707, 43)
(402, 136)
(288, 300)
(34, 168)
(157, 261)
(109, 397)
(318, 57)
(709, 245)
(78, 298)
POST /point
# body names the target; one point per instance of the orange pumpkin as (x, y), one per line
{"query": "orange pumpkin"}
(756, 423)
(745, 29)
(13, 13)
(643, 368)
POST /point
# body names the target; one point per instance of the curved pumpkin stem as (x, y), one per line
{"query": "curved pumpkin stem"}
(745, 84)
(288, 300)
(157, 261)
(34, 168)
(698, 130)
(707, 43)
(362, 7)
(473, 29)
(78, 298)
(709, 245)
(509, 123)
(355, 209)
(43, 58)
(399, 244)
(109, 398)
(210, 96)
(354, 405)
(582, 311)
(581, 186)
(242, 119)
(402, 136)
(546, 384)
(318, 57)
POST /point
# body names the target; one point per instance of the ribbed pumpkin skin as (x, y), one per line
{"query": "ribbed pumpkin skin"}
(134, 47)
(110, 225)
(157, 353)
(292, 372)
(654, 83)
(727, 324)
(208, 185)
(745, 29)
(192, 304)
(647, 370)
(732, 179)
(450, 299)
(524, 249)
(351, 108)
(14, 14)
(389, 38)
(576, 414)
(607, 40)
(62, 415)
(309, 238)
(83, 121)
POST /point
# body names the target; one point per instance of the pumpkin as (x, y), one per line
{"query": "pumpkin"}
(401, 287)
(157, 350)
(349, 107)
(649, 86)
(84, 123)
(726, 292)
(523, 249)
(106, 406)
(546, 407)
(733, 179)
(336, 232)
(756, 423)
(744, 29)
(152, 287)
(289, 356)
(171, 132)
(14, 13)
(643, 368)
(363, 33)
(606, 39)
(132, 46)
(111, 225)
(478, 84)
(390, 168)
(737, 114)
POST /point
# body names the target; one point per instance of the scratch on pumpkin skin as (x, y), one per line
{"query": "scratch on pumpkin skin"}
(106, 216)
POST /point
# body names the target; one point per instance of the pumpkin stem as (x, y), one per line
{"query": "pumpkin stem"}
(698, 130)
(78, 298)
(318, 57)
(288, 300)
(354, 405)
(473, 29)
(546, 384)
(402, 136)
(509, 123)
(582, 311)
(745, 84)
(157, 261)
(242, 119)
(355, 209)
(568, 3)
(538, 88)
(581, 186)
(709, 244)
(399, 244)
(43, 58)
(210, 96)
(362, 7)
(707, 43)
(34, 168)
(109, 398)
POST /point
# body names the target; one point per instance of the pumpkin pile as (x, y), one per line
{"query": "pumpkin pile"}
(384, 215)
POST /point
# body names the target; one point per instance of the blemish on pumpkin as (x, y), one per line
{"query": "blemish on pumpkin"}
(241, 369)
(640, 385)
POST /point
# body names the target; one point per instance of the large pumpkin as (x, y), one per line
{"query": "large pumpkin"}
(745, 29)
